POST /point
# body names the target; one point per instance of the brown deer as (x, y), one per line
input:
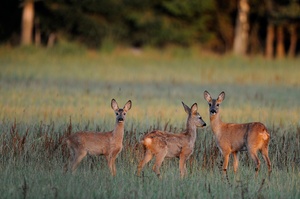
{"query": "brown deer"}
(164, 144)
(232, 138)
(108, 144)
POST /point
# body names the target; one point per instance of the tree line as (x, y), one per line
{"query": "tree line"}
(269, 27)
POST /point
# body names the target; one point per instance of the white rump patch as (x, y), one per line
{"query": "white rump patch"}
(147, 141)
(265, 135)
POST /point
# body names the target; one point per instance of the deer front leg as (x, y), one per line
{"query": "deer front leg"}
(182, 165)
(111, 162)
(235, 161)
(113, 166)
(225, 162)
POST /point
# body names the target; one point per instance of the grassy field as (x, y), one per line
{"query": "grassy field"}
(48, 94)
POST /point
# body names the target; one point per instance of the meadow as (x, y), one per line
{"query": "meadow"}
(48, 94)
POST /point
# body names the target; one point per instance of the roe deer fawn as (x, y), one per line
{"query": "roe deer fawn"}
(108, 144)
(163, 144)
(232, 138)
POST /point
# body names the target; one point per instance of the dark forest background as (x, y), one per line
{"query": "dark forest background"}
(266, 27)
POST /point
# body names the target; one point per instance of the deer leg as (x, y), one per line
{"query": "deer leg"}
(71, 158)
(253, 154)
(182, 165)
(112, 165)
(78, 156)
(154, 167)
(147, 158)
(109, 158)
(225, 163)
(111, 162)
(158, 161)
(265, 154)
(235, 161)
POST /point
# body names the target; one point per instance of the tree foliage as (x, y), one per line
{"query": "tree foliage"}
(158, 23)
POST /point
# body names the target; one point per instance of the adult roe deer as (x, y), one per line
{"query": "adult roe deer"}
(232, 138)
(108, 144)
(164, 144)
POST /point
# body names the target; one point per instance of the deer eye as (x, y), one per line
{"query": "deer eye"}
(218, 105)
(117, 113)
(209, 104)
(124, 113)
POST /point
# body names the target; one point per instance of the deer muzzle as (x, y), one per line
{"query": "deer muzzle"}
(120, 119)
(213, 111)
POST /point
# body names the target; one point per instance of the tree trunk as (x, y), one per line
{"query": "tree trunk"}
(240, 42)
(226, 30)
(270, 41)
(254, 43)
(37, 33)
(280, 53)
(293, 40)
(51, 40)
(27, 22)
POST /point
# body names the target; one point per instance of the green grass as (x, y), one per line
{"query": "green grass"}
(47, 94)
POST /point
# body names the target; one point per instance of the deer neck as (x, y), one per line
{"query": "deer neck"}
(216, 123)
(118, 132)
(191, 131)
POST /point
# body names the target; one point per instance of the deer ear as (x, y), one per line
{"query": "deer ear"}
(114, 105)
(194, 108)
(186, 108)
(207, 96)
(128, 105)
(221, 97)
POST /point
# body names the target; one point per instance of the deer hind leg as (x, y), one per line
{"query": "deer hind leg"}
(265, 154)
(77, 157)
(70, 160)
(71, 156)
(235, 161)
(143, 162)
(254, 156)
(159, 158)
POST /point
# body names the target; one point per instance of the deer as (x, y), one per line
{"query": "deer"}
(163, 144)
(108, 144)
(232, 138)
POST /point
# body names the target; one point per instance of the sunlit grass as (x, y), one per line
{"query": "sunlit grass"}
(46, 86)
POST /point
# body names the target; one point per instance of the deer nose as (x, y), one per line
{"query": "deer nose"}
(213, 111)
(120, 119)
(204, 124)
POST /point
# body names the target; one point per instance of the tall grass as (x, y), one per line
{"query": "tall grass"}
(48, 94)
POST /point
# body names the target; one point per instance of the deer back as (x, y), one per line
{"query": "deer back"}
(160, 140)
(95, 143)
(175, 143)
